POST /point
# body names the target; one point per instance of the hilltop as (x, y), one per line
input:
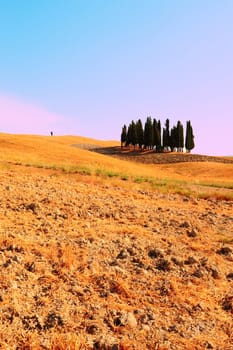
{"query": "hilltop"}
(99, 252)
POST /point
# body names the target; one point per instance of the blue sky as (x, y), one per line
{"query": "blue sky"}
(87, 67)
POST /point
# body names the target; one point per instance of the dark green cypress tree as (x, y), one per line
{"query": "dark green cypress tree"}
(148, 133)
(166, 134)
(140, 133)
(187, 136)
(134, 140)
(159, 145)
(180, 136)
(189, 139)
(173, 138)
(123, 135)
(159, 137)
(164, 137)
(129, 136)
(155, 132)
(192, 143)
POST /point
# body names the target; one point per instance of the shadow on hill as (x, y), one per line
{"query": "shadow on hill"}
(151, 157)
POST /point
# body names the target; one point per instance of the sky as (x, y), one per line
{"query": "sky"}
(87, 67)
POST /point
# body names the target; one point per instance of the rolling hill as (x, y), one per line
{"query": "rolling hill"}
(102, 252)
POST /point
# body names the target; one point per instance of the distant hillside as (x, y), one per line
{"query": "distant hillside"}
(80, 155)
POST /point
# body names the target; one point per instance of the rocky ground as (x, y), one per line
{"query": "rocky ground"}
(92, 265)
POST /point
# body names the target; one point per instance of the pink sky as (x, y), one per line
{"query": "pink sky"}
(21, 117)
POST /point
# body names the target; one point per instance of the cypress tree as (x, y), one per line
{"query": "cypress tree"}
(173, 138)
(189, 139)
(155, 132)
(129, 136)
(166, 134)
(140, 133)
(134, 139)
(192, 143)
(159, 129)
(159, 145)
(123, 135)
(180, 136)
(164, 137)
(148, 133)
(146, 142)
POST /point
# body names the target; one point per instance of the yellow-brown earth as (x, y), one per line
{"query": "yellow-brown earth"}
(98, 252)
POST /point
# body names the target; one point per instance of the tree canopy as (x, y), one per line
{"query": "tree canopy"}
(152, 136)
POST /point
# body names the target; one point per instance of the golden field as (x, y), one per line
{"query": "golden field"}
(101, 252)
(67, 153)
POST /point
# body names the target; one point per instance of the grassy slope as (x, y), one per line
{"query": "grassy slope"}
(58, 153)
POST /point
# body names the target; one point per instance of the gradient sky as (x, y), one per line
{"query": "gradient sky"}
(86, 67)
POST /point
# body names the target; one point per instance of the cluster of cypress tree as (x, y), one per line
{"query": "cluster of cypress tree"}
(152, 136)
